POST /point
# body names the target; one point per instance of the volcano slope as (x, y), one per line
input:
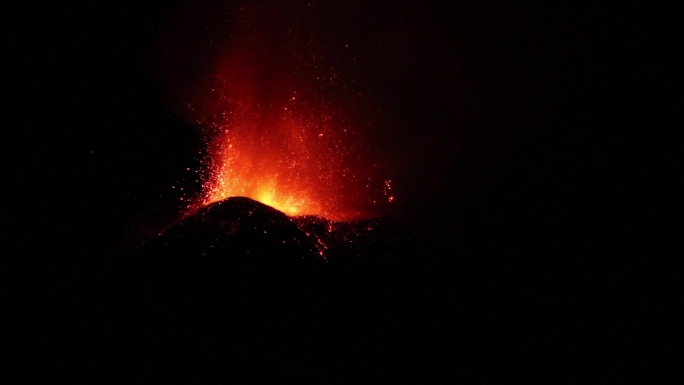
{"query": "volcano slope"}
(240, 293)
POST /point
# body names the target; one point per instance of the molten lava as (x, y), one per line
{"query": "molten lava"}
(272, 129)
(289, 163)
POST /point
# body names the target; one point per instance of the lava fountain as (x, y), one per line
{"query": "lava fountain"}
(272, 129)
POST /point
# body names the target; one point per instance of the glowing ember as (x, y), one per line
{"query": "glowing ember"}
(280, 162)
(273, 134)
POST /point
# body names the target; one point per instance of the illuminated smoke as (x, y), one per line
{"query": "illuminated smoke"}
(272, 127)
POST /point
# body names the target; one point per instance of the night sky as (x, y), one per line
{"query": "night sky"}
(513, 134)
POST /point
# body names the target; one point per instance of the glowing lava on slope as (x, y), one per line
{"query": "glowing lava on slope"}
(273, 133)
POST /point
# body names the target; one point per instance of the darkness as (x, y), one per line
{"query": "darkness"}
(525, 142)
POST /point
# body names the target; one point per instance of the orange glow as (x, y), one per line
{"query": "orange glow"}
(273, 131)
(297, 166)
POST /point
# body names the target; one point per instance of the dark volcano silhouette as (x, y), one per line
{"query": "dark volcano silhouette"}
(238, 293)
(237, 227)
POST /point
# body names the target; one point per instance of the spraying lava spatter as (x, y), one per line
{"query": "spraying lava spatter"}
(273, 132)
(281, 165)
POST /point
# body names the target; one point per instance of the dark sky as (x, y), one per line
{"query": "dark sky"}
(517, 122)
(527, 142)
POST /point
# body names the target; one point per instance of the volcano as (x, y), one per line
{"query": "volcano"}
(241, 228)
(240, 292)
(518, 146)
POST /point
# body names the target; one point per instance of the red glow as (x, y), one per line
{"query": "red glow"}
(273, 131)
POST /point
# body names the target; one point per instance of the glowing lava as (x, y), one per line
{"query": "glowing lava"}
(283, 161)
(273, 133)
